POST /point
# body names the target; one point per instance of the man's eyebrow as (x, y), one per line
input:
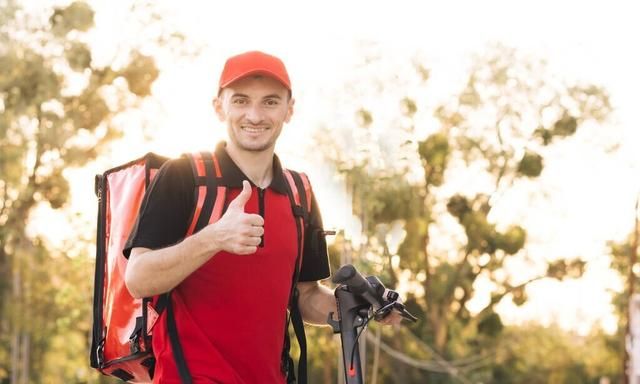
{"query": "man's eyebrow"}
(270, 96)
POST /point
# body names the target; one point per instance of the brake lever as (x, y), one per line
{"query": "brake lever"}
(404, 312)
(400, 307)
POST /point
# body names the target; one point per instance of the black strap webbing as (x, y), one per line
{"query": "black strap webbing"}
(295, 315)
(210, 197)
(298, 327)
(176, 348)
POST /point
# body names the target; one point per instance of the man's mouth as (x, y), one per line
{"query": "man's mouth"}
(253, 129)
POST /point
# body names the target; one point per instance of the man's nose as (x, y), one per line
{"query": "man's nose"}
(254, 114)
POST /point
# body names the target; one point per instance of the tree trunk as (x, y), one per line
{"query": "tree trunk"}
(15, 356)
(15, 328)
(376, 359)
(26, 342)
(440, 330)
(400, 373)
(5, 277)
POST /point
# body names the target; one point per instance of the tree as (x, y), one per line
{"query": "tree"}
(411, 184)
(57, 111)
(524, 357)
(624, 258)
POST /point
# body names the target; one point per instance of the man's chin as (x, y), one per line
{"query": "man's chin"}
(255, 147)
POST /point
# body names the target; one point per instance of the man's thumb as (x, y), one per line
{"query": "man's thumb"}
(243, 197)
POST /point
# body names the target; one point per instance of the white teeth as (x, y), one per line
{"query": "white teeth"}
(253, 130)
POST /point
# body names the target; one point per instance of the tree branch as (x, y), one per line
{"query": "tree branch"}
(452, 284)
(496, 299)
(25, 200)
(503, 152)
(3, 199)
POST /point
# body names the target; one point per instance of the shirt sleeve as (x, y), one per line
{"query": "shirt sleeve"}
(166, 208)
(315, 258)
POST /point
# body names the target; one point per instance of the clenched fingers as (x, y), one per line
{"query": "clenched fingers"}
(245, 250)
(253, 219)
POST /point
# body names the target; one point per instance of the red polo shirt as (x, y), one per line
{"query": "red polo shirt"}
(230, 313)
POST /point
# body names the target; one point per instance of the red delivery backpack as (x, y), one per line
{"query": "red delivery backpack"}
(122, 324)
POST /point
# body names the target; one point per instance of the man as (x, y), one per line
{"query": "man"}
(231, 280)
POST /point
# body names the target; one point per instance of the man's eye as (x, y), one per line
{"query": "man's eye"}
(271, 102)
(239, 101)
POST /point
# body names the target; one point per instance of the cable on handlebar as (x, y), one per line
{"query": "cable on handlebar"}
(364, 325)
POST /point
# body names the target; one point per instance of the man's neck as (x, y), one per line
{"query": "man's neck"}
(258, 166)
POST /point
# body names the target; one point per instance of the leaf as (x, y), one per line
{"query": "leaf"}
(566, 268)
(364, 117)
(27, 80)
(78, 55)
(545, 134)
(140, 74)
(77, 16)
(491, 325)
(566, 126)
(55, 189)
(458, 206)
(512, 240)
(530, 165)
(408, 106)
(519, 295)
(87, 110)
(434, 151)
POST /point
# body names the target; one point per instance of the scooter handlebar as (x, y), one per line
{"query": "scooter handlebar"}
(349, 276)
(370, 289)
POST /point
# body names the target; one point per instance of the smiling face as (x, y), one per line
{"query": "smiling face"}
(254, 110)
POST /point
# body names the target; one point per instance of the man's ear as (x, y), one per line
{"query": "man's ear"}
(218, 108)
(291, 102)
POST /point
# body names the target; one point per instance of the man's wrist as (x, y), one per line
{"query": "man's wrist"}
(205, 245)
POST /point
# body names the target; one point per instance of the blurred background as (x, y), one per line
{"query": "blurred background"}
(481, 157)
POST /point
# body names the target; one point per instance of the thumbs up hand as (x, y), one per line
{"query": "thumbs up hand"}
(243, 197)
(237, 231)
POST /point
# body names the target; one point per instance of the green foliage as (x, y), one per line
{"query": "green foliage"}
(434, 152)
(535, 354)
(512, 240)
(487, 128)
(566, 268)
(77, 16)
(566, 126)
(78, 56)
(408, 106)
(54, 114)
(140, 74)
(458, 206)
(519, 295)
(621, 255)
(491, 325)
(530, 165)
(364, 117)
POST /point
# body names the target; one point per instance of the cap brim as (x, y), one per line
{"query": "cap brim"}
(260, 71)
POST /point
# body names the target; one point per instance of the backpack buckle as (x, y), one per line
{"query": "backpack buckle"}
(134, 343)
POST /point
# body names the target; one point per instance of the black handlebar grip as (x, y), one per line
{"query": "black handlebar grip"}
(349, 276)
(345, 273)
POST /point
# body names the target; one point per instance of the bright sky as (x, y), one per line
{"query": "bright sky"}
(594, 41)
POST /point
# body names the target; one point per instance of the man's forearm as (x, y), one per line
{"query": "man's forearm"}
(316, 302)
(153, 272)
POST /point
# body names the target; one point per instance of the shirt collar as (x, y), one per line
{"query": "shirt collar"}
(232, 175)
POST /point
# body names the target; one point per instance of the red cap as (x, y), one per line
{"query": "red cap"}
(253, 62)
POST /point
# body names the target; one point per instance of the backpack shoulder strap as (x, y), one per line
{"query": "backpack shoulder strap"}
(209, 198)
(300, 197)
(209, 194)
